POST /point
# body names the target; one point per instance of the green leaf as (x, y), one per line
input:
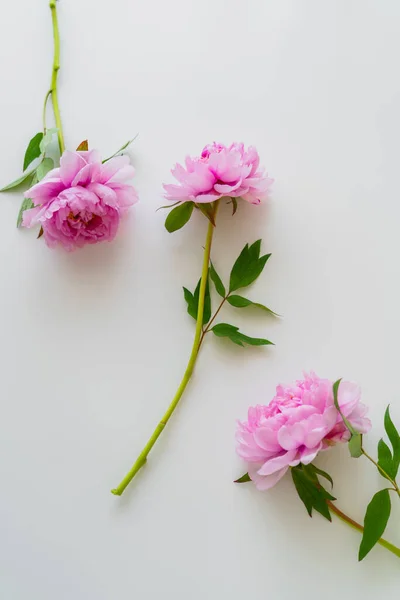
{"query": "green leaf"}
(355, 445)
(313, 495)
(376, 518)
(179, 216)
(247, 267)
(47, 139)
(219, 286)
(243, 479)
(33, 150)
(345, 421)
(124, 147)
(26, 204)
(314, 471)
(18, 181)
(45, 166)
(234, 202)
(385, 460)
(208, 211)
(193, 302)
(241, 302)
(255, 249)
(83, 146)
(192, 309)
(233, 333)
(394, 438)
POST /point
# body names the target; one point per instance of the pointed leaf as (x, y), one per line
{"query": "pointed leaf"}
(45, 166)
(313, 495)
(345, 421)
(243, 479)
(233, 333)
(241, 302)
(192, 307)
(219, 286)
(41, 232)
(33, 150)
(247, 267)
(26, 204)
(18, 181)
(315, 471)
(179, 216)
(193, 302)
(376, 518)
(83, 146)
(394, 438)
(255, 249)
(385, 460)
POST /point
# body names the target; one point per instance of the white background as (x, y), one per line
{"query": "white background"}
(94, 343)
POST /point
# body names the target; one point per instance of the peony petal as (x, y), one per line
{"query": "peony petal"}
(279, 462)
(263, 483)
(111, 167)
(291, 436)
(266, 438)
(70, 164)
(307, 455)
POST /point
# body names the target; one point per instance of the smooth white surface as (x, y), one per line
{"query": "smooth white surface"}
(93, 344)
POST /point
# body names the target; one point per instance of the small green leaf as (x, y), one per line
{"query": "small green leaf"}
(233, 333)
(193, 302)
(33, 150)
(45, 166)
(247, 267)
(243, 479)
(124, 147)
(355, 445)
(47, 139)
(385, 460)
(241, 302)
(83, 146)
(192, 309)
(18, 181)
(208, 211)
(26, 204)
(394, 438)
(179, 216)
(234, 202)
(376, 518)
(219, 286)
(315, 471)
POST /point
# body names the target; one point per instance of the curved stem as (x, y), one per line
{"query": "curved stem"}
(44, 111)
(140, 461)
(394, 549)
(207, 329)
(56, 68)
(382, 471)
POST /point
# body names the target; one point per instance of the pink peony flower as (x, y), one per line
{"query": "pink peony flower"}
(300, 421)
(220, 171)
(82, 201)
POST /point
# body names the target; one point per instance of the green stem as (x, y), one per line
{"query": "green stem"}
(140, 461)
(44, 111)
(383, 472)
(394, 549)
(211, 321)
(56, 68)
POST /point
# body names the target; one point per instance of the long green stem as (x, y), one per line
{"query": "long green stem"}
(54, 75)
(394, 549)
(140, 461)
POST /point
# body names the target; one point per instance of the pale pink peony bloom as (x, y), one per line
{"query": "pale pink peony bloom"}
(300, 421)
(81, 202)
(220, 171)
